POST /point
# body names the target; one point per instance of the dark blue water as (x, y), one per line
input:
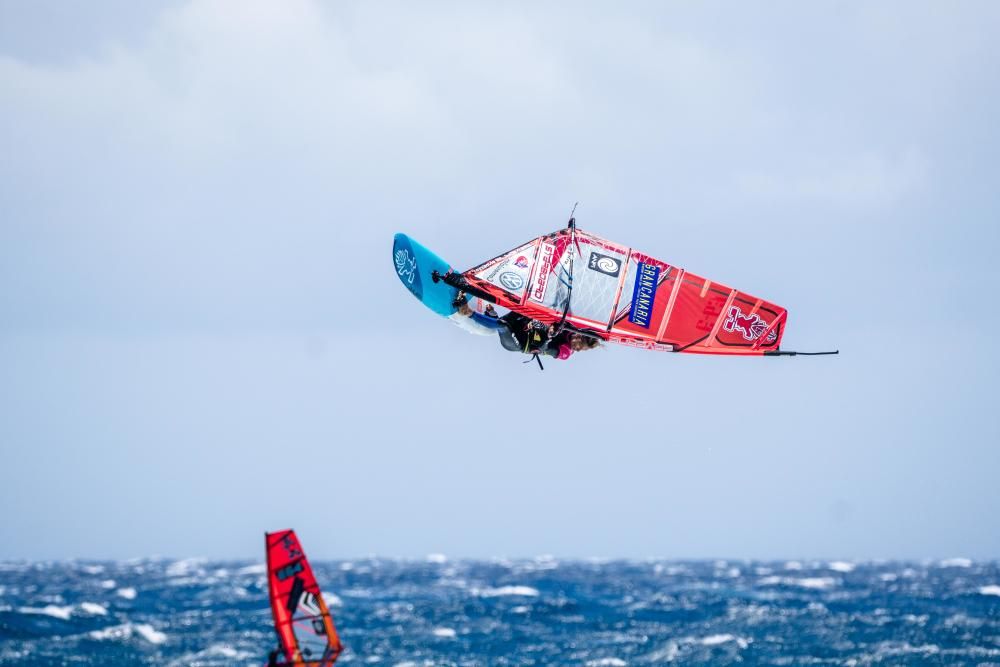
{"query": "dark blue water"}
(535, 612)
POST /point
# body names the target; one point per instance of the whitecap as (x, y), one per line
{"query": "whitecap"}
(437, 558)
(955, 562)
(897, 648)
(108, 584)
(524, 591)
(126, 630)
(818, 583)
(227, 651)
(332, 599)
(444, 633)
(815, 583)
(841, 566)
(256, 568)
(668, 653)
(793, 565)
(150, 634)
(128, 593)
(992, 589)
(606, 662)
(93, 608)
(184, 567)
(52, 610)
(93, 569)
(715, 640)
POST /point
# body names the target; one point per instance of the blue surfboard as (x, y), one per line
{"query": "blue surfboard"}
(415, 265)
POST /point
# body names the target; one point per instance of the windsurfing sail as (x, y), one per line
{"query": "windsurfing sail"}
(604, 289)
(305, 628)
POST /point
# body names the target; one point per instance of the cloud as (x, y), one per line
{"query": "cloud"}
(243, 162)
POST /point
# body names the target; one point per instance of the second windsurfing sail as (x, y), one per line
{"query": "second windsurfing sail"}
(305, 628)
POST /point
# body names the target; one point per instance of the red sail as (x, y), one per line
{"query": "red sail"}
(627, 297)
(301, 618)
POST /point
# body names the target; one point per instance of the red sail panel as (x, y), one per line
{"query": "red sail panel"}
(711, 318)
(301, 618)
(628, 297)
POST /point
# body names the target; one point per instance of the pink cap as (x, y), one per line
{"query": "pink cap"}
(564, 352)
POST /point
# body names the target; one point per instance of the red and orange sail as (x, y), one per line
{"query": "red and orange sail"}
(627, 297)
(305, 628)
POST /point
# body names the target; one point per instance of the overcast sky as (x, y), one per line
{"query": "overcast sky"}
(202, 336)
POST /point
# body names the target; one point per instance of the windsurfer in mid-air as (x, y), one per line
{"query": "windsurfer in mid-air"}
(523, 334)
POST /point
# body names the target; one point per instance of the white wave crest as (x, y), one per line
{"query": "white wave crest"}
(210, 655)
(841, 566)
(815, 583)
(606, 662)
(256, 568)
(185, 567)
(127, 630)
(93, 609)
(55, 611)
(128, 593)
(524, 591)
(444, 633)
(715, 640)
(955, 562)
(992, 589)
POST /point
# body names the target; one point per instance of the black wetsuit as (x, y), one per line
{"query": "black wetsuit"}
(522, 334)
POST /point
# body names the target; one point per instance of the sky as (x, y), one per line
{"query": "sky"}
(202, 336)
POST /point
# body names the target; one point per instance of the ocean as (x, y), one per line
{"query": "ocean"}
(540, 611)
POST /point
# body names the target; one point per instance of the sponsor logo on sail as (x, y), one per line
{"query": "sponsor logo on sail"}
(751, 327)
(511, 281)
(521, 262)
(644, 294)
(604, 264)
(544, 269)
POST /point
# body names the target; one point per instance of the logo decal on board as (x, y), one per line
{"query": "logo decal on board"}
(521, 262)
(643, 294)
(511, 281)
(604, 264)
(751, 327)
(405, 266)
